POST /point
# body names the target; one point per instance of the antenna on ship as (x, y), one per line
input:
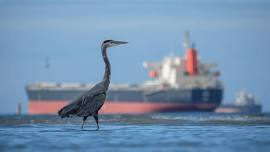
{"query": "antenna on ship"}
(47, 63)
(186, 43)
(46, 69)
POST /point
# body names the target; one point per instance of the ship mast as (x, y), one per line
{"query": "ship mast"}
(186, 43)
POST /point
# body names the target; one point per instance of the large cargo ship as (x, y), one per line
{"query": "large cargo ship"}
(177, 84)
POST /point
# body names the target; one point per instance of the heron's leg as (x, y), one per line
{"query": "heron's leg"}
(96, 118)
(84, 119)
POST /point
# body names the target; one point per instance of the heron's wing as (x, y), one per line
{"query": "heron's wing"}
(91, 105)
(86, 98)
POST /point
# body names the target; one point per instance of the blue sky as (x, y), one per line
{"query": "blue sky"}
(233, 34)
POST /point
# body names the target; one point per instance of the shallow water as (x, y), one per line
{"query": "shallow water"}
(152, 132)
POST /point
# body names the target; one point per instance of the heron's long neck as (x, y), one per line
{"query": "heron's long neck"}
(107, 73)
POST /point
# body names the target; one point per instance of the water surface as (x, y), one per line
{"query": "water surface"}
(151, 132)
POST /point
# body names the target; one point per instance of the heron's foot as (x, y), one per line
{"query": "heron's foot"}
(82, 126)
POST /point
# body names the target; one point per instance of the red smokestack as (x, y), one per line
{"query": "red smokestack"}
(192, 62)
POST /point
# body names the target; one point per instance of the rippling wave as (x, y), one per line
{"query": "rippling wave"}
(156, 118)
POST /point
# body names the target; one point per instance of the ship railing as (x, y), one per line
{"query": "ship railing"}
(52, 85)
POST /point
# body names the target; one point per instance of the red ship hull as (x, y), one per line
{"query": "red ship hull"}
(128, 107)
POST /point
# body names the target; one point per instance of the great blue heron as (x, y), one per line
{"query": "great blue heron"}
(90, 102)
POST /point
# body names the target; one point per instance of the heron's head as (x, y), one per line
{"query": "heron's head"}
(110, 43)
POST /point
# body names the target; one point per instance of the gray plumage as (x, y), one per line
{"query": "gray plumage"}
(90, 102)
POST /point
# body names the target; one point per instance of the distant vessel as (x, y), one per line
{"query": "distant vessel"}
(244, 103)
(178, 84)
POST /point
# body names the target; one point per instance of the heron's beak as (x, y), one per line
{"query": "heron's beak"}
(119, 42)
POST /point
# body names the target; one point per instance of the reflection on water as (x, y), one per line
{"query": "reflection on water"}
(151, 132)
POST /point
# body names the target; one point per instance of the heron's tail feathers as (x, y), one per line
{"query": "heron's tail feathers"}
(62, 114)
(69, 109)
